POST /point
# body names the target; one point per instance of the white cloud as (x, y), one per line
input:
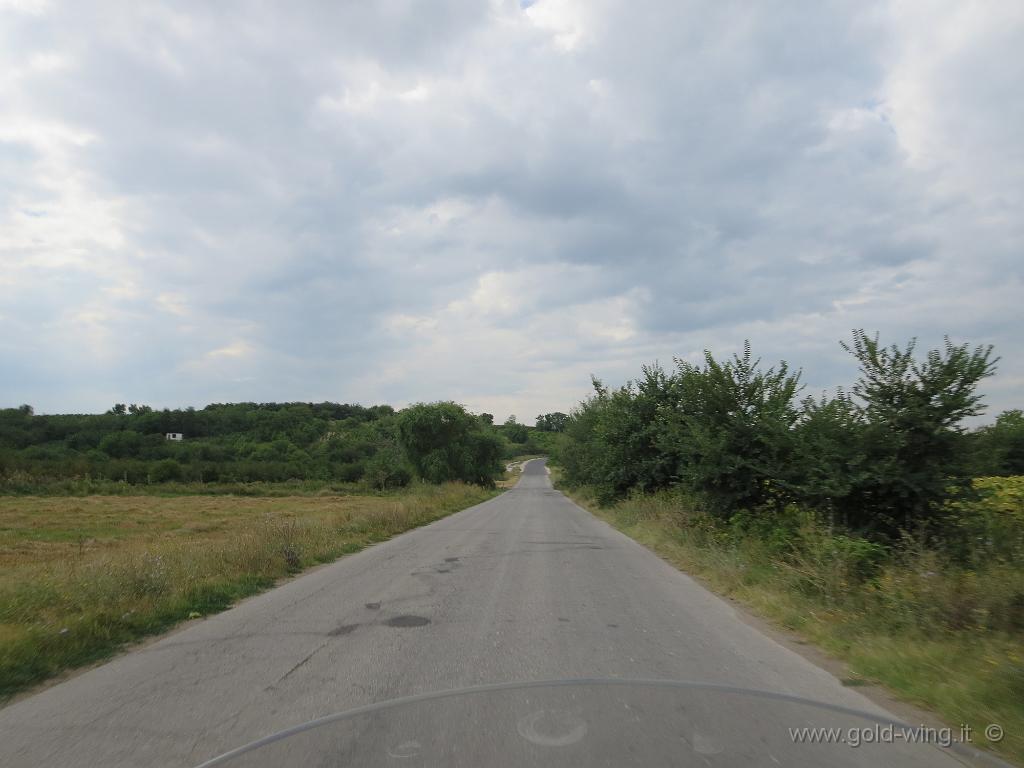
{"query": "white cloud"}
(31, 7)
(565, 20)
(951, 90)
(237, 349)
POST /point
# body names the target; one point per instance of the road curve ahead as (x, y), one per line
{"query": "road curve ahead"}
(526, 586)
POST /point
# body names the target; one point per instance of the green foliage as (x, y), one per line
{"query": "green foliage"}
(387, 468)
(443, 442)
(121, 445)
(735, 437)
(552, 422)
(912, 439)
(514, 431)
(224, 443)
(998, 449)
(722, 430)
(166, 470)
(610, 439)
(631, 427)
(828, 451)
(988, 527)
(881, 461)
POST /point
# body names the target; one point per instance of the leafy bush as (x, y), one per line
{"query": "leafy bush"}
(882, 460)
(998, 449)
(443, 442)
(166, 470)
(388, 469)
(829, 459)
(552, 422)
(735, 437)
(514, 431)
(912, 439)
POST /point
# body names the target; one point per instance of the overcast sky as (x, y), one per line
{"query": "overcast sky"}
(488, 201)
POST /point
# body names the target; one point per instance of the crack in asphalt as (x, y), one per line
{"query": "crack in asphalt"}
(309, 656)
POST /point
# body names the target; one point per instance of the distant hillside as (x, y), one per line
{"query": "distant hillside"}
(268, 442)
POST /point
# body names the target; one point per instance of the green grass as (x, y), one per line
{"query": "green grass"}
(943, 637)
(82, 577)
(24, 485)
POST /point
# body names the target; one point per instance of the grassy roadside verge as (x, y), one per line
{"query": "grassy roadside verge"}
(82, 577)
(880, 627)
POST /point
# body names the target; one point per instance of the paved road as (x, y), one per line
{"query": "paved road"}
(524, 587)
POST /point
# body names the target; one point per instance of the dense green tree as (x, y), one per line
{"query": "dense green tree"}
(732, 430)
(614, 441)
(121, 445)
(998, 449)
(552, 422)
(514, 431)
(829, 461)
(387, 468)
(442, 441)
(166, 470)
(913, 437)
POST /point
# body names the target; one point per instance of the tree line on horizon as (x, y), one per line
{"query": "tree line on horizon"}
(259, 442)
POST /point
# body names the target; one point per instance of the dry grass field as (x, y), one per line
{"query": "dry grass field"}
(82, 576)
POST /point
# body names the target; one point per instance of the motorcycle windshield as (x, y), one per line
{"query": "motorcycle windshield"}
(608, 723)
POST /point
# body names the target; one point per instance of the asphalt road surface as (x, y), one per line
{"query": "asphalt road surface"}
(524, 587)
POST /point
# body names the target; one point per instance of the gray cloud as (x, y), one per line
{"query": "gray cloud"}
(488, 201)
